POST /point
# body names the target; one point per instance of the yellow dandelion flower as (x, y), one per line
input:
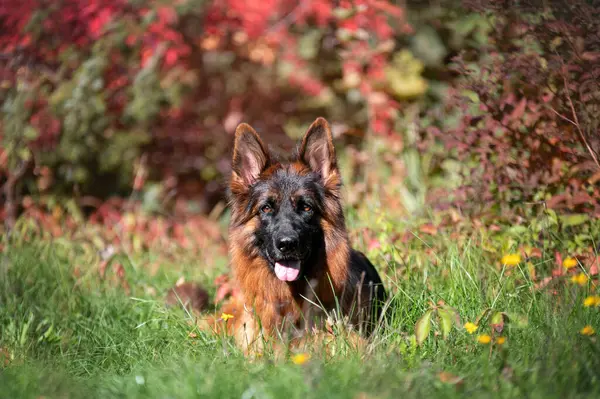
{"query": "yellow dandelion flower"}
(511, 260)
(484, 339)
(300, 358)
(569, 263)
(593, 300)
(226, 316)
(471, 328)
(587, 330)
(580, 279)
(500, 340)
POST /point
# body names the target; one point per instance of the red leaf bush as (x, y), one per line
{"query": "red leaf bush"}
(93, 91)
(524, 106)
(96, 84)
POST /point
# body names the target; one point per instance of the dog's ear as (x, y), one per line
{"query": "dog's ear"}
(250, 157)
(317, 149)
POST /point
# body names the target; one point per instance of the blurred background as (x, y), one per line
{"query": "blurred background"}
(118, 115)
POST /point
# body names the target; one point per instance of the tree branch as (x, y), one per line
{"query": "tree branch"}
(575, 120)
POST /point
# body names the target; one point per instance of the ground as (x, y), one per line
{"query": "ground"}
(67, 332)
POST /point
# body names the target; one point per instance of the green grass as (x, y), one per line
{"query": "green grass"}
(67, 334)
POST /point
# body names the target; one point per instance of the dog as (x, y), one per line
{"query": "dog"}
(289, 249)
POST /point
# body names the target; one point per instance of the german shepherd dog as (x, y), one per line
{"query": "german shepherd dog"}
(289, 249)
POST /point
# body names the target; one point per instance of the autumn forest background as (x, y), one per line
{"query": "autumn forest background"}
(469, 138)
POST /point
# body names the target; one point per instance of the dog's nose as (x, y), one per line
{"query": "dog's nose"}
(286, 244)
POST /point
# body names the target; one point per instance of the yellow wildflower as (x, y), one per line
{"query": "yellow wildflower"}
(300, 358)
(484, 339)
(511, 260)
(569, 263)
(580, 279)
(500, 340)
(226, 316)
(593, 300)
(587, 330)
(471, 328)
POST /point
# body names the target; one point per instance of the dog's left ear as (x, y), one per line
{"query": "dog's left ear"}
(317, 149)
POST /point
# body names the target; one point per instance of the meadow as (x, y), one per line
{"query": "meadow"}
(501, 324)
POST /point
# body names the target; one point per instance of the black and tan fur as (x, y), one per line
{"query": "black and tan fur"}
(272, 200)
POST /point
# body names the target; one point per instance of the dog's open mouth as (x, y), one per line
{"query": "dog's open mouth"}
(287, 270)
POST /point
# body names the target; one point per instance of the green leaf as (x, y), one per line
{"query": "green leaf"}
(423, 327)
(445, 321)
(24, 154)
(343, 13)
(309, 44)
(552, 215)
(428, 46)
(453, 313)
(471, 95)
(30, 133)
(25, 329)
(574, 220)
(498, 320)
(403, 76)
(517, 230)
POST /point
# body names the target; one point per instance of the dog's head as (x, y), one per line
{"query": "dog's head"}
(292, 207)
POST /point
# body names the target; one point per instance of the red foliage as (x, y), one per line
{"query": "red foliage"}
(80, 23)
(188, 134)
(520, 132)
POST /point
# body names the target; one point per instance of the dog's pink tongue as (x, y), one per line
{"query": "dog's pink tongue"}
(287, 270)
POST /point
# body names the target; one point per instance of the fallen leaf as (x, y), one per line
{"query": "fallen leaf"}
(191, 295)
(428, 229)
(535, 253)
(449, 378)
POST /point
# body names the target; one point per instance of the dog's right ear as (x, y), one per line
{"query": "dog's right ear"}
(249, 155)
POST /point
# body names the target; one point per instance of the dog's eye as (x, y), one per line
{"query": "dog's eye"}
(306, 208)
(266, 209)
